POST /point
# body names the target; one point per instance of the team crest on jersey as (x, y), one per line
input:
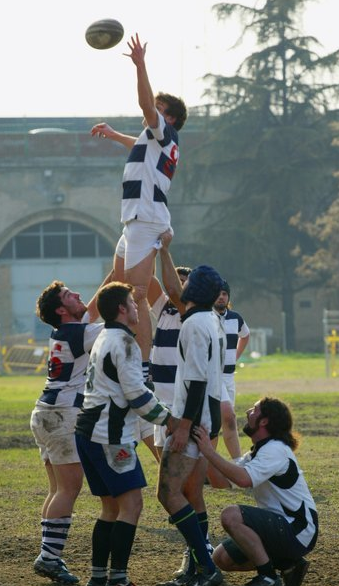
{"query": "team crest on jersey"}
(54, 363)
(167, 165)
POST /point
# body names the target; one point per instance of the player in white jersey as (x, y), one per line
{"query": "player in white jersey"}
(115, 396)
(146, 181)
(53, 418)
(237, 337)
(196, 400)
(284, 526)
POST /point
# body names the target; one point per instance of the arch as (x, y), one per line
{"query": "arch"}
(64, 214)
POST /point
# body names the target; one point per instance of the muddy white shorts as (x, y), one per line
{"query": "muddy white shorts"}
(191, 450)
(137, 241)
(53, 430)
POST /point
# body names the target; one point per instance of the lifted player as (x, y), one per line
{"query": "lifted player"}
(146, 181)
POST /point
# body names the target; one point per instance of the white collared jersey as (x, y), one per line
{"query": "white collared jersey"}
(69, 348)
(201, 348)
(164, 355)
(148, 173)
(115, 393)
(235, 327)
(279, 486)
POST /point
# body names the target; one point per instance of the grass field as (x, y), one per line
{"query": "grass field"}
(299, 380)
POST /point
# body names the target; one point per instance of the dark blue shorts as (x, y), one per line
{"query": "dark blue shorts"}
(276, 534)
(110, 470)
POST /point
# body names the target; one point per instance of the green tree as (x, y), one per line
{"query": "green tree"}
(271, 138)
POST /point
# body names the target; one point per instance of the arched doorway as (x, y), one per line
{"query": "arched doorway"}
(53, 249)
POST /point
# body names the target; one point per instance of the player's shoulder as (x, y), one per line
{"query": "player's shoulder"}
(233, 315)
(275, 448)
(202, 321)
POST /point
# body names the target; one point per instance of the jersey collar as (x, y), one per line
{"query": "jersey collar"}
(192, 310)
(116, 325)
(255, 449)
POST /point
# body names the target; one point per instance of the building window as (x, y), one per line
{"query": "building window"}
(56, 239)
(305, 304)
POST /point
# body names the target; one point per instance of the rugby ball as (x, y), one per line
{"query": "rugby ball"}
(104, 34)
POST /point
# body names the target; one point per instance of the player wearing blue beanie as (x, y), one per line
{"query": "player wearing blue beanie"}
(203, 286)
(197, 393)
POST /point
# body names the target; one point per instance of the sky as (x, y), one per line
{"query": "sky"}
(47, 68)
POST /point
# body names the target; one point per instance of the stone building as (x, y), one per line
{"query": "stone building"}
(60, 192)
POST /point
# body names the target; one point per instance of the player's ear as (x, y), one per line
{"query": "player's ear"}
(170, 119)
(122, 308)
(61, 310)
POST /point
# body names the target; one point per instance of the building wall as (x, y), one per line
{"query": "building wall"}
(72, 176)
(6, 316)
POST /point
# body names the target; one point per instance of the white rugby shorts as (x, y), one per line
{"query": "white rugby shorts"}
(228, 388)
(191, 450)
(137, 241)
(53, 430)
(143, 429)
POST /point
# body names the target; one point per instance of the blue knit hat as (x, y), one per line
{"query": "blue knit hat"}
(203, 286)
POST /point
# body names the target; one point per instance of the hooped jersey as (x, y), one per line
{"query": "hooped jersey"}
(148, 173)
(69, 348)
(164, 350)
(235, 327)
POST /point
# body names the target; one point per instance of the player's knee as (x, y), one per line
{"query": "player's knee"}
(230, 423)
(230, 517)
(229, 418)
(161, 494)
(138, 505)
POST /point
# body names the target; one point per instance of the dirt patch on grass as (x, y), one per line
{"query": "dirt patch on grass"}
(157, 550)
(158, 546)
(328, 385)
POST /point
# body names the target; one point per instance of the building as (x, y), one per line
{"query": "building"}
(60, 192)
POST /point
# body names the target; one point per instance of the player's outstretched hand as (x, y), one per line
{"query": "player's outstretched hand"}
(138, 50)
(103, 130)
(202, 438)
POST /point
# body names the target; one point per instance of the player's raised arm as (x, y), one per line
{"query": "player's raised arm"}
(145, 92)
(104, 130)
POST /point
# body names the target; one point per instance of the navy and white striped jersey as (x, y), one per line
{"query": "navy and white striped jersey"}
(115, 393)
(69, 348)
(148, 173)
(279, 486)
(200, 358)
(235, 327)
(164, 350)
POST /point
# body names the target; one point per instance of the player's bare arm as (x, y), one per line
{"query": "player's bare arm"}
(235, 473)
(92, 305)
(145, 92)
(169, 275)
(104, 130)
(242, 343)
